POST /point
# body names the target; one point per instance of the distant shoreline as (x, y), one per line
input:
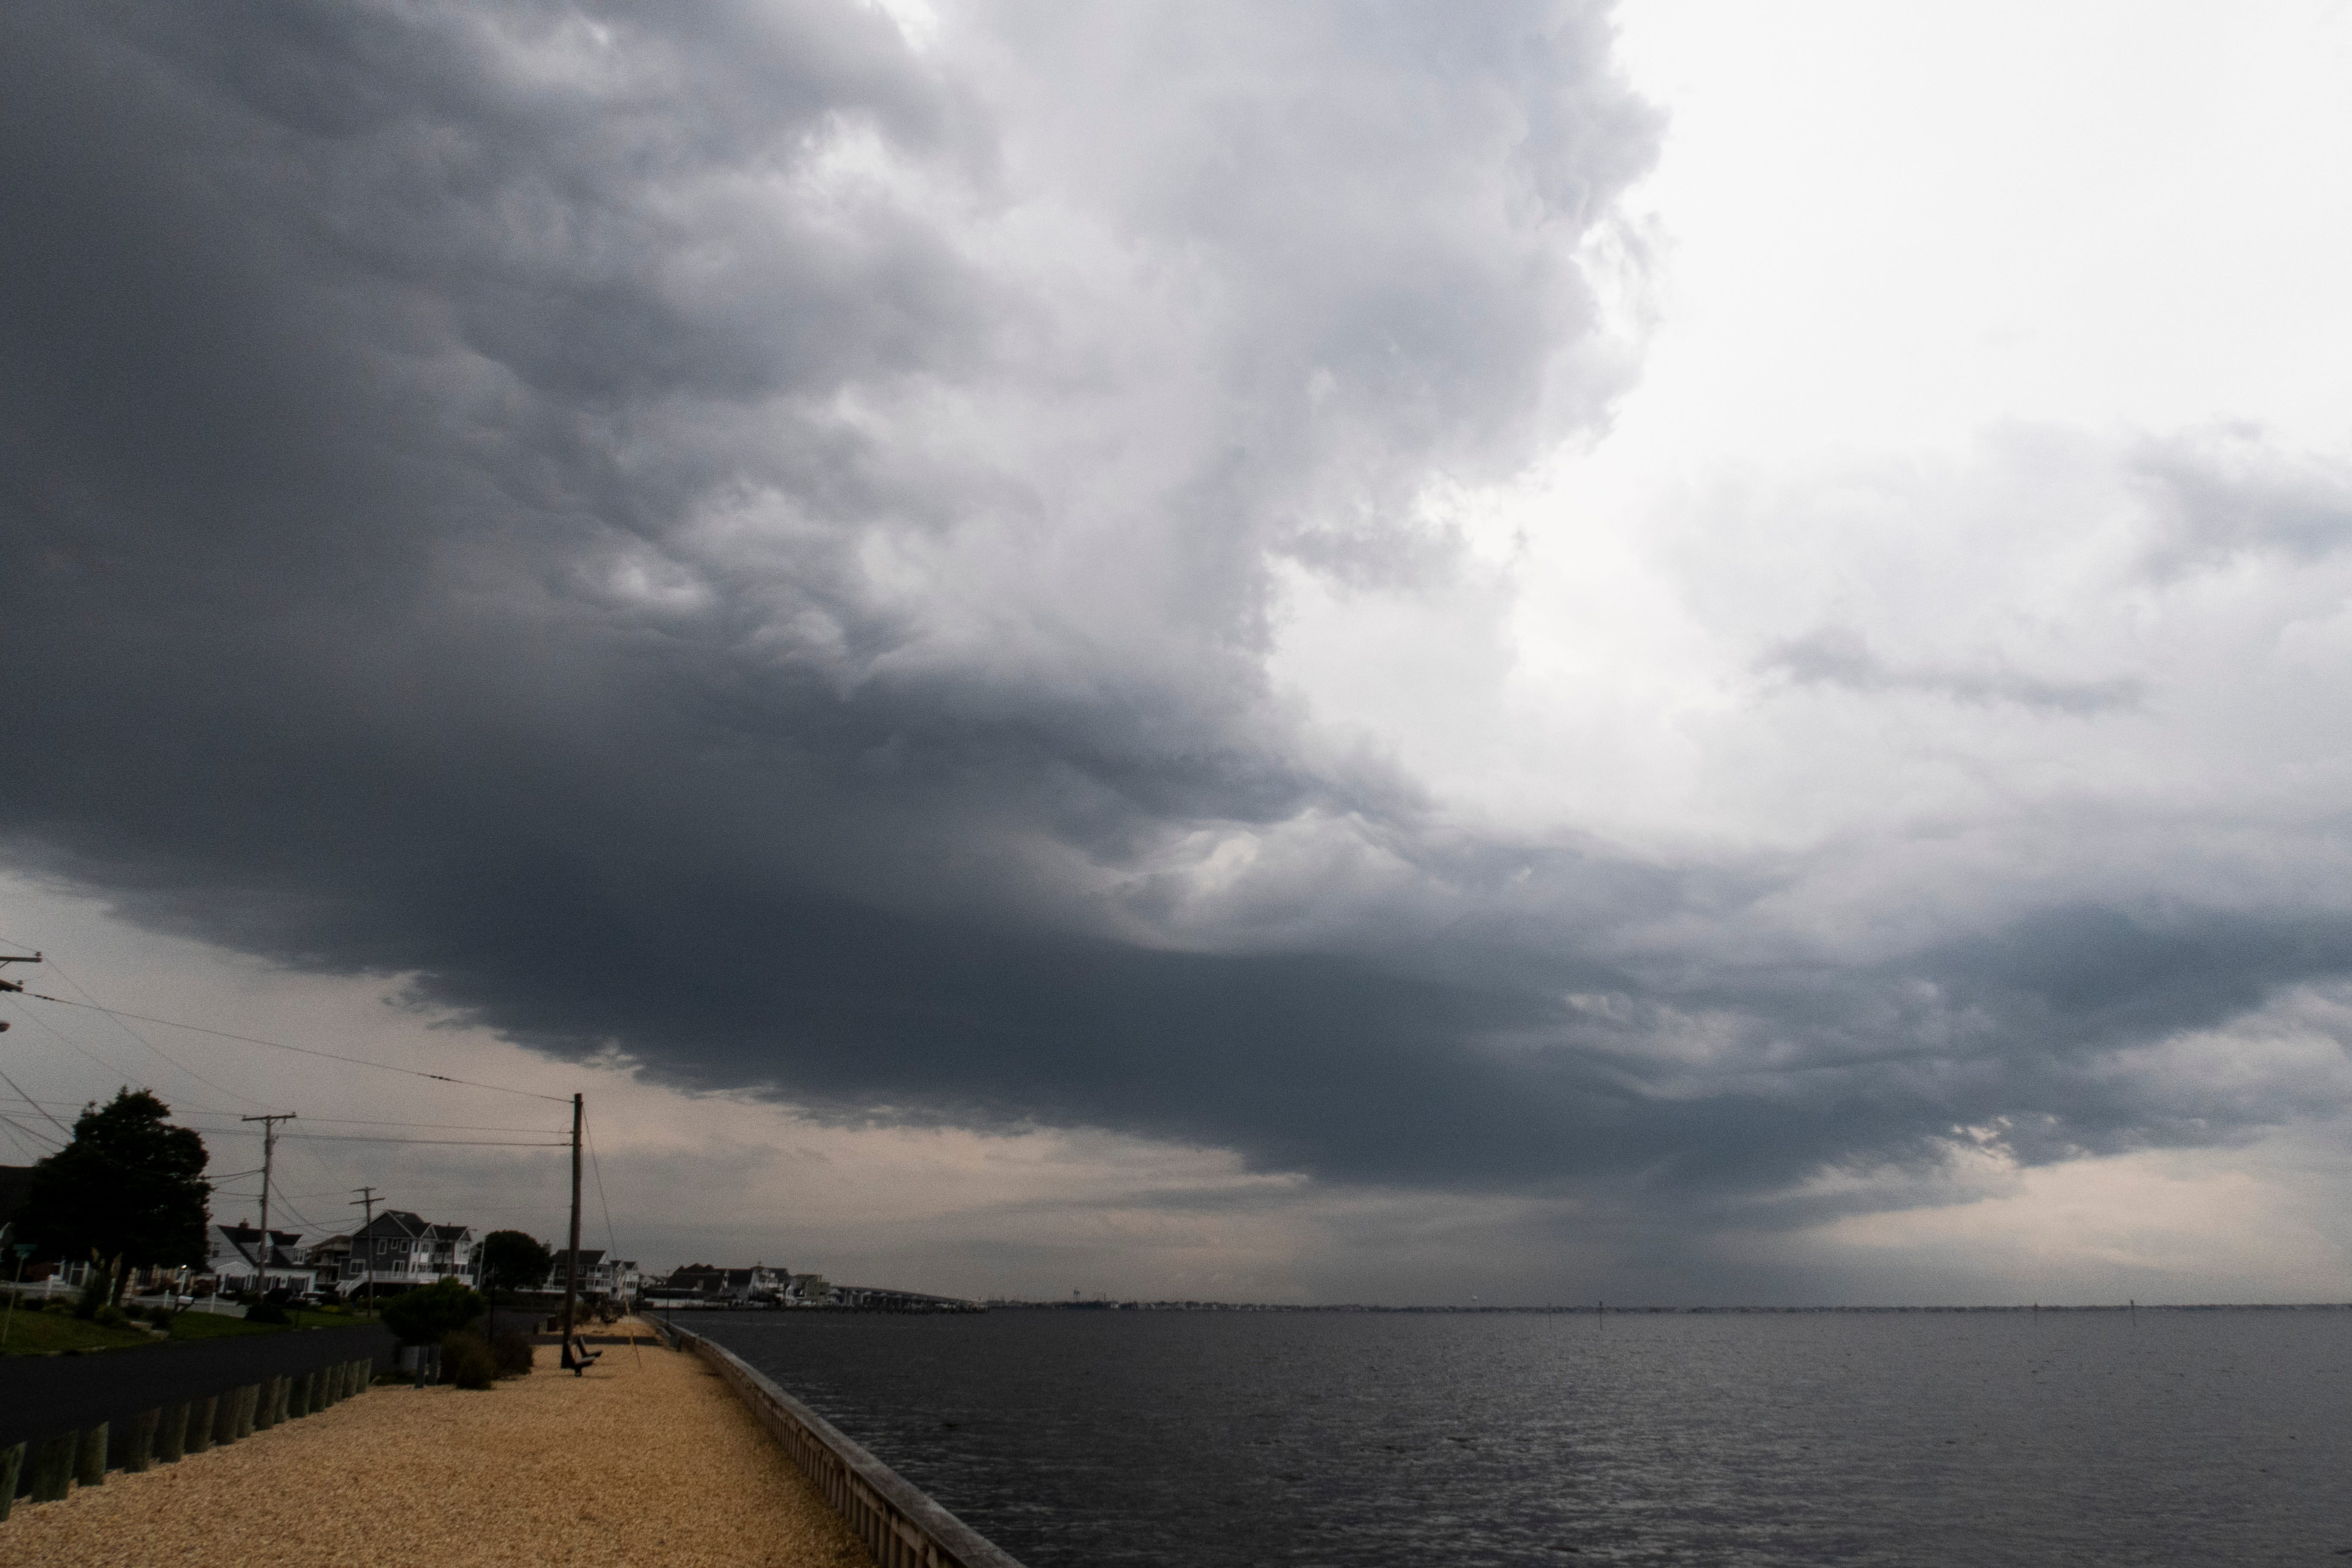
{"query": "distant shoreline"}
(1589, 1309)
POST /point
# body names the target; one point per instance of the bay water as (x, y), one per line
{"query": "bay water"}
(1196, 1440)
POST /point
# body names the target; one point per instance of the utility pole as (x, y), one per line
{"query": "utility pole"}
(571, 1263)
(14, 985)
(268, 1156)
(367, 1266)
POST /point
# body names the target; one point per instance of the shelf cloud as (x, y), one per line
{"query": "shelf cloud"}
(757, 538)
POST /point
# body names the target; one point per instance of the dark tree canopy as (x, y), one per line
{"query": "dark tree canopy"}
(514, 1260)
(130, 1185)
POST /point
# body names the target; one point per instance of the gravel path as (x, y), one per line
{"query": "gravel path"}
(646, 1459)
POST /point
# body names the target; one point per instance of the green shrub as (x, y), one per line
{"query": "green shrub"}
(59, 1308)
(95, 1292)
(430, 1314)
(268, 1312)
(511, 1351)
(108, 1317)
(467, 1362)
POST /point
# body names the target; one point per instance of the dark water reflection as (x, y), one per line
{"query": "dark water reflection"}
(1212, 1440)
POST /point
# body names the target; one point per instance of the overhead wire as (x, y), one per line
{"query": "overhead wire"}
(341, 1120)
(27, 1138)
(151, 1046)
(302, 1050)
(35, 1104)
(363, 1138)
(121, 1020)
(68, 1040)
(611, 1238)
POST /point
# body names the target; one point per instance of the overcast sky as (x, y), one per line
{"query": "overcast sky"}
(1681, 651)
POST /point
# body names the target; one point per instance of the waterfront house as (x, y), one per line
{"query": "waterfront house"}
(397, 1250)
(601, 1277)
(234, 1257)
(712, 1286)
(329, 1257)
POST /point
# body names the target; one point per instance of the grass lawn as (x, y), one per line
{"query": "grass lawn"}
(45, 1333)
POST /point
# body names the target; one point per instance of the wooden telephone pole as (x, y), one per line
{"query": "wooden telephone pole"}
(572, 1262)
(367, 1199)
(269, 1158)
(14, 985)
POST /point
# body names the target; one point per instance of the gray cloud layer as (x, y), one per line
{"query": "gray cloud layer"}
(751, 541)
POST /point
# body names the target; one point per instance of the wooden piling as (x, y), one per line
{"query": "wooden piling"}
(171, 1435)
(11, 1468)
(139, 1441)
(53, 1465)
(204, 1419)
(243, 1403)
(90, 1460)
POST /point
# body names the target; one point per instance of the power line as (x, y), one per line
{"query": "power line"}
(151, 1046)
(336, 1120)
(363, 1138)
(73, 1045)
(300, 1050)
(612, 1240)
(34, 1104)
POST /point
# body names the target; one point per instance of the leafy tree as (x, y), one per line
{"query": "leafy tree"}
(429, 1313)
(513, 1260)
(128, 1188)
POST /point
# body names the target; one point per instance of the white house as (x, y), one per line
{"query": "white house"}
(233, 1256)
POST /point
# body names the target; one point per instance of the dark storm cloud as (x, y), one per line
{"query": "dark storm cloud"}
(748, 541)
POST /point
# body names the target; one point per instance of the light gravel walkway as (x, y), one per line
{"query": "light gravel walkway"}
(646, 1459)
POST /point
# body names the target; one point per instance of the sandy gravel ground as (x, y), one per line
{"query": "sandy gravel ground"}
(646, 1459)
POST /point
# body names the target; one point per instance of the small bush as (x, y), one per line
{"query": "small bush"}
(511, 1351)
(95, 1293)
(108, 1317)
(59, 1308)
(467, 1362)
(268, 1312)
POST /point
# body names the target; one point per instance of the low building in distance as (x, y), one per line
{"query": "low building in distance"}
(601, 1277)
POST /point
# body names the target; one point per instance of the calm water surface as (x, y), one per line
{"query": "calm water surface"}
(1215, 1440)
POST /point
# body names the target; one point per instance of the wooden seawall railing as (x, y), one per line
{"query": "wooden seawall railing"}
(899, 1524)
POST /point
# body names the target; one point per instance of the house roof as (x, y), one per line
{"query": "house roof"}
(245, 1240)
(397, 1223)
(400, 1224)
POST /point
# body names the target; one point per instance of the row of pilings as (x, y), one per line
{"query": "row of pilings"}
(44, 1468)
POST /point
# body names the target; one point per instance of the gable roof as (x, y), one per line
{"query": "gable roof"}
(397, 1224)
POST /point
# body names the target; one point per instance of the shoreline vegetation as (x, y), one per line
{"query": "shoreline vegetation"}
(524, 1472)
